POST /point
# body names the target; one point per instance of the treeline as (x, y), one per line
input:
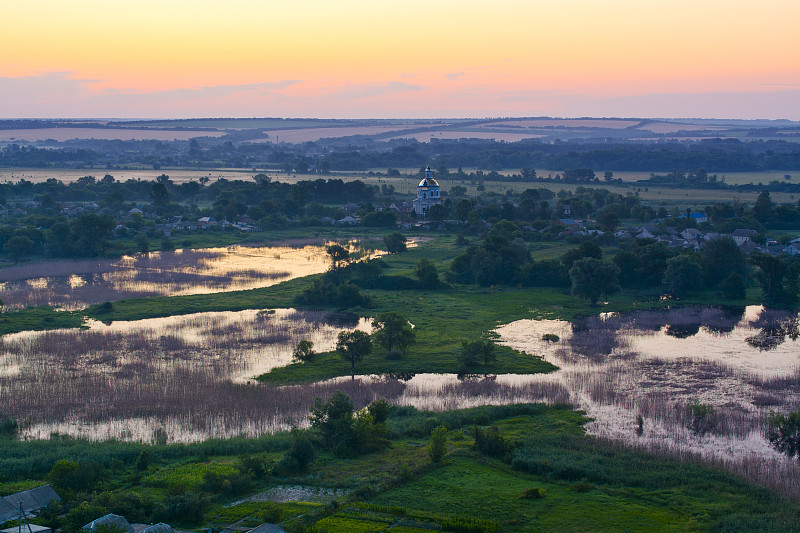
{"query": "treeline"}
(714, 155)
(727, 155)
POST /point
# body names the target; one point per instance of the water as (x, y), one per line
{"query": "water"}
(188, 377)
(653, 364)
(74, 285)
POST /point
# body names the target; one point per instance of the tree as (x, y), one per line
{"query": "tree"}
(353, 346)
(334, 421)
(784, 432)
(437, 213)
(585, 249)
(628, 264)
(608, 219)
(395, 242)
(682, 275)
(394, 331)
(304, 351)
(159, 195)
(592, 278)
(339, 255)
(301, 453)
(142, 242)
(18, 246)
(734, 286)
(722, 257)
(437, 447)
(779, 279)
(427, 274)
(763, 206)
(91, 232)
(472, 352)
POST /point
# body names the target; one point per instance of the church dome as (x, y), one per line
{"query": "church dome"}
(428, 182)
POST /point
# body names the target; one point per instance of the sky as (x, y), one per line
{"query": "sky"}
(400, 58)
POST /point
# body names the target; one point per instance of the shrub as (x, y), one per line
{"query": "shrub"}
(550, 337)
(300, 454)
(8, 426)
(702, 417)
(784, 433)
(582, 486)
(533, 493)
(491, 442)
(394, 355)
(304, 351)
(437, 447)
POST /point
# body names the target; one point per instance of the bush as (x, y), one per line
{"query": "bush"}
(734, 287)
(304, 351)
(550, 337)
(472, 352)
(702, 417)
(491, 442)
(437, 447)
(8, 426)
(394, 355)
(300, 454)
(533, 493)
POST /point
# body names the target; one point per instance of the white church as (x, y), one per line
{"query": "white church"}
(427, 194)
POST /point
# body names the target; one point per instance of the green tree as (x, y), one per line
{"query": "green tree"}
(16, 247)
(721, 257)
(159, 195)
(427, 274)
(585, 249)
(437, 447)
(683, 274)
(334, 421)
(734, 286)
(784, 432)
(592, 278)
(395, 242)
(167, 245)
(780, 280)
(762, 209)
(143, 461)
(473, 352)
(338, 255)
(304, 351)
(628, 264)
(301, 453)
(437, 213)
(92, 233)
(393, 331)
(353, 346)
(608, 219)
(142, 242)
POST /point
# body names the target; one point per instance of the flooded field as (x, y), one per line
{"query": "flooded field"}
(76, 284)
(734, 367)
(181, 379)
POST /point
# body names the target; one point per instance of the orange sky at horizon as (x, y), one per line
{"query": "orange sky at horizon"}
(147, 58)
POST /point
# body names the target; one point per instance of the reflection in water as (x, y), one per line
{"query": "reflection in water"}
(621, 366)
(188, 374)
(76, 284)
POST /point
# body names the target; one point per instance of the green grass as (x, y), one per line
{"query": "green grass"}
(587, 484)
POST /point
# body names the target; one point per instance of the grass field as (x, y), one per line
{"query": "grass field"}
(581, 483)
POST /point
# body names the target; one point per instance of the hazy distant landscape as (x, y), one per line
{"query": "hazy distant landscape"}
(211, 322)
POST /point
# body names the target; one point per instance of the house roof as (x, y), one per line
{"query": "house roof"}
(110, 520)
(31, 500)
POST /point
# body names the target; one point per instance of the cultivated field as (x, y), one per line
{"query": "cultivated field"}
(66, 134)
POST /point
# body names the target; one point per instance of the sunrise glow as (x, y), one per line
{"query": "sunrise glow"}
(400, 59)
